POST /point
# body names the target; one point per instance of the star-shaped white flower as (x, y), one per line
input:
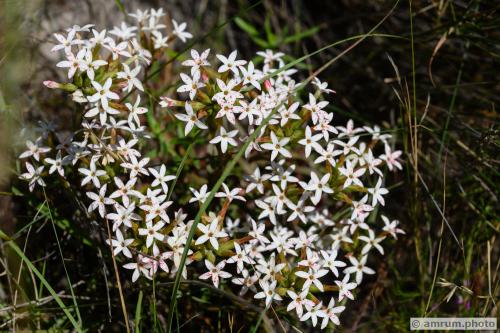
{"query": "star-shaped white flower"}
(318, 186)
(345, 288)
(103, 93)
(215, 272)
(225, 139)
(277, 146)
(152, 232)
(130, 77)
(268, 292)
(191, 85)
(179, 31)
(161, 177)
(230, 63)
(311, 142)
(92, 174)
(99, 201)
(120, 244)
(211, 232)
(191, 119)
(298, 301)
(359, 268)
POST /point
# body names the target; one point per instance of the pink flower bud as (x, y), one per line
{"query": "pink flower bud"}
(267, 84)
(51, 84)
(204, 77)
(166, 102)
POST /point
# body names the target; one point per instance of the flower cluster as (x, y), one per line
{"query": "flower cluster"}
(296, 228)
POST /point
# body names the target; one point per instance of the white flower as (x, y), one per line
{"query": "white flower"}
(313, 312)
(329, 261)
(160, 41)
(99, 38)
(200, 196)
(349, 129)
(66, 42)
(277, 146)
(161, 177)
(299, 210)
(318, 186)
(92, 174)
(123, 215)
(331, 314)
(371, 241)
(256, 181)
(249, 75)
(359, 268)
(345, 288)
(130, 76)
(372, 163)
(289, 114)
(102, 112)
(312, 277)
(268, 210)
(135, 110)
(91, 65)
(211, 232)
(225, 139)
(227, 94)
(152, 232)
(269, 268)
(73, 63)
(230, 63)
(56, 164)
(240, 258)
(33, 176)
(268, 292)
(136, 167)
(322, 86)
(298, 301)
(351, 175)
(258, 232)
(124, 190)
(391, 227)
(191, 85)
(155, 207)
(123, 31)
(197, 60)
(99, 201)
(191, 119)
(349, 145)
(377, 193)
(215, 272)
(138, 267)
(117, 50)
(179, 31)
(391, 158)
(230, 195)
(316, 108)
(34, 149)
(140, 16)
(311, 142)
(120, 244)
(103, 93)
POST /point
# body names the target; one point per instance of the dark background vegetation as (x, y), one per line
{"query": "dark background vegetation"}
(438, 99)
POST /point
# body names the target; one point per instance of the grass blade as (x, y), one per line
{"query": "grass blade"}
(138, 311)
(47, 285)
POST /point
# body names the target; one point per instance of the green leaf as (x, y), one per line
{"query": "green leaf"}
(120, 6)
(301, 35)
(245, 26)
